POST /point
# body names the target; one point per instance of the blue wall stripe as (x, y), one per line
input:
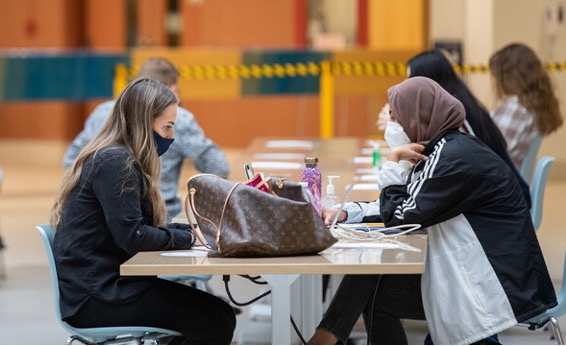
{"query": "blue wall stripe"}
(284, 85)
(2, 76)
(73, 77)
(78, 76)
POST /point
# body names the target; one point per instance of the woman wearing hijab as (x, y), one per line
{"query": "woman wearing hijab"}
(484, 270)
(434, 65)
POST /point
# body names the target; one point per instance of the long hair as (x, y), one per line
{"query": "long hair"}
(517, 70)
(434, 65)
(130, 125)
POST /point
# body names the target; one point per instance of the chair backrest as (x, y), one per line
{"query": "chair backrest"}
(528, 165)
(47, 235)
(538, 187)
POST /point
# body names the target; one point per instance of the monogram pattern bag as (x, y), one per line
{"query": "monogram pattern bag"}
(240, 220)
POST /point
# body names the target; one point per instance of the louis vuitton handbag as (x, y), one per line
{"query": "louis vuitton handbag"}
(261, 217)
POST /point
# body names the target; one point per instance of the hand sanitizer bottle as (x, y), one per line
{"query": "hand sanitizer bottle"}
(376, 157)
(330, 199)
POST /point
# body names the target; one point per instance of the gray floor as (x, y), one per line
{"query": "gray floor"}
(26, 300)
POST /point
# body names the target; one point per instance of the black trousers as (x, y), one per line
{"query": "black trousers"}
(382, 300)
(201, 317)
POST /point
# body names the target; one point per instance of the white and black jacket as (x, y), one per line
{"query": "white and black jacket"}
(484, 269)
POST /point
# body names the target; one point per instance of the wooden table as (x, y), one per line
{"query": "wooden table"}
(400, 255)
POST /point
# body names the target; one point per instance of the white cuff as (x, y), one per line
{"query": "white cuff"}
(392, 173)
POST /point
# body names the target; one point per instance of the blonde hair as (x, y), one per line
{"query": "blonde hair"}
(130, 125)
(517, 70)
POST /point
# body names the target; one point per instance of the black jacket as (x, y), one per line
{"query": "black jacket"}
(484, 269)
(105, 221)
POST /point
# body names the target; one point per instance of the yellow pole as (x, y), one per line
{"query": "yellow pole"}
(120, 79)
(326, 100)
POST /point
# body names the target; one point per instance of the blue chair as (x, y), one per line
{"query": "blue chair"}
(549, 317)
(528, 165)
(103, 335)
(2, 265)
(538, 187)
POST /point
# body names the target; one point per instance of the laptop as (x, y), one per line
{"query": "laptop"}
(342, 205)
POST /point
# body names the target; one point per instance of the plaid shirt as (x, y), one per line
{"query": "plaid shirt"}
(517, 125)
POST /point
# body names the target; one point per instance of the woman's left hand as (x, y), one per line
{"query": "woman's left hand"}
(411, 152)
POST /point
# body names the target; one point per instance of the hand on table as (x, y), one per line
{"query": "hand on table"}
(328, 215)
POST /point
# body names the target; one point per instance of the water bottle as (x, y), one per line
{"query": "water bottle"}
(311, 175)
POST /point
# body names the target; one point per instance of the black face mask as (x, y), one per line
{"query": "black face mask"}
(162, 143)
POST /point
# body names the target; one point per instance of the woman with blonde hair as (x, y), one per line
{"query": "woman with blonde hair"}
(109, 208)
(529, 106)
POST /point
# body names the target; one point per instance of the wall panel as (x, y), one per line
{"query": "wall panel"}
(240, 23)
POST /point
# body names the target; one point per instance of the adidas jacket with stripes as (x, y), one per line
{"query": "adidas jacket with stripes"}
(484, 269)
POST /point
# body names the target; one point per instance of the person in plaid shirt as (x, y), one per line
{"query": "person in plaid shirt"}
(528, 104)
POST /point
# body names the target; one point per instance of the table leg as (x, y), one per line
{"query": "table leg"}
(311, 303)
(280, 307)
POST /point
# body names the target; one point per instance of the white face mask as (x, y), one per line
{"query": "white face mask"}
(394, 135)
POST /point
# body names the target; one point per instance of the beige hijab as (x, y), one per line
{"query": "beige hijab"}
(424, 109)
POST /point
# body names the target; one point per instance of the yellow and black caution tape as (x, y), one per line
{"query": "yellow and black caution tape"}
(364, 68)
(467, 69)
(556, 66)
(337, 68)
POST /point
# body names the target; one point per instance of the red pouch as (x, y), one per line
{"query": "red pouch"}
(260, 182)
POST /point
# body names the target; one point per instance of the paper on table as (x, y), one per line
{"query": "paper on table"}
(188, 253)
(362, 159)
(276, 165)
(364, 187)
(365, 245)
(279, 156)
(365, 170)
(290, 144)
(369, 151)
(365, 177)
(382, 143)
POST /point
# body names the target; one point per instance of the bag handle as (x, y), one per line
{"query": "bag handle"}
(196, 230)
(191, 200)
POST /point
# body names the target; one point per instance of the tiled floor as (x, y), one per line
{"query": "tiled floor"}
(32, 175)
